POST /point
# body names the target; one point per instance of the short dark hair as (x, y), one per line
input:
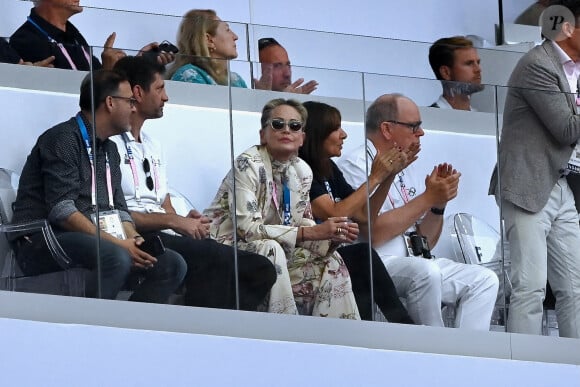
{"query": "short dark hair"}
(267, 42)
(323, 119)
(105, 83)
(139, 70)
(442, 52)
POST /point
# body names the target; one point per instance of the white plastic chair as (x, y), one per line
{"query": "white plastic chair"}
(476, 242)
(70, 281)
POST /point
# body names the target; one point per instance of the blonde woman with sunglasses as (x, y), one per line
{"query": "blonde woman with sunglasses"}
(273, 218)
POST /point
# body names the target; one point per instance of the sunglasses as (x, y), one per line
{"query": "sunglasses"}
(148, 178)
(279, 124)
(267, 42)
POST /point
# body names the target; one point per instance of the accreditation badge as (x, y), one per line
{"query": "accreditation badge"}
(574, 162)
(110, 222)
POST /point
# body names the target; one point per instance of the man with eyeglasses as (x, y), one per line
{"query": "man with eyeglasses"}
(67, 176)
(277, 70)
(455, 62)
(210, 279)
(411, 220)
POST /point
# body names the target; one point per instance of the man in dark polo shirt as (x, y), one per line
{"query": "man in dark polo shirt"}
(48, 32)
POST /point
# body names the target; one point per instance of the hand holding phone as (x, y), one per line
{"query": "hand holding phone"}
(153, 245)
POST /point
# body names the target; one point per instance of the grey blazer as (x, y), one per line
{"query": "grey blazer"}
(540, 129)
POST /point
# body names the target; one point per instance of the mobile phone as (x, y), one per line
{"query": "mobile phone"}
(153, 245)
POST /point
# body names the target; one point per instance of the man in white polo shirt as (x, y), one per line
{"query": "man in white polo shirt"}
(414, 209)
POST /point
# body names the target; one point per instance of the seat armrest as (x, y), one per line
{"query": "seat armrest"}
(43, 226)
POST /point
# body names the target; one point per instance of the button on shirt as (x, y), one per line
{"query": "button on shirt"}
(56, 178)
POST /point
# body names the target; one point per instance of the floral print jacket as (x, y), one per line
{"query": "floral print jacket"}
(258, 183)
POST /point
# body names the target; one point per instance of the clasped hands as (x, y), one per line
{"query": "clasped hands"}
(393, 161)
(442, 184)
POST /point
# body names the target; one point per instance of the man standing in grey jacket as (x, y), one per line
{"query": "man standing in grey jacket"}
(536, 174)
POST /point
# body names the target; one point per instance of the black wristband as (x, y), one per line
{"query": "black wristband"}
(438, 211)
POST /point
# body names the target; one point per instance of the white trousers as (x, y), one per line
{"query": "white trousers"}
(544, 245)
(426, 284)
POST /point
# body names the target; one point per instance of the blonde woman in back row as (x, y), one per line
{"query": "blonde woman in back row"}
(205, 45)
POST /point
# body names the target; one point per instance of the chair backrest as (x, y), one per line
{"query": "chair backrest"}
(180, 203)
(8, 189)
(474, 241)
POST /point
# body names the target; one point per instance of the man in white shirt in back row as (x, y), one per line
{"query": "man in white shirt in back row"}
(414, 208)
(456, 63)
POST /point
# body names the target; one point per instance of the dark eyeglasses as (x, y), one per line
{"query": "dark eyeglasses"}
(148, 178)
(267, 42)
(279, 124)
(132, 101)
(414, 126)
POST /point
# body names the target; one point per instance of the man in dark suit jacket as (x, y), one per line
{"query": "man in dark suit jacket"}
(534, 180)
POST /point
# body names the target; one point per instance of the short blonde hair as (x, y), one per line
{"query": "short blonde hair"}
(267, 110)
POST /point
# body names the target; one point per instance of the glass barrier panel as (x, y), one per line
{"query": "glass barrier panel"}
(540, 123)
(274, 196)
(369, 54)
(466, 140)
(282, 77)
(36, 256)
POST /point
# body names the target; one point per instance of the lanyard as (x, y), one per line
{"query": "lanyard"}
(403, 192)
(89, 149)
(328, 189)
(60, 45)
(155, 164)
(285, 201)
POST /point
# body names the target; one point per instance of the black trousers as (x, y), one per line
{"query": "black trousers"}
(210, 279)
(356, 258)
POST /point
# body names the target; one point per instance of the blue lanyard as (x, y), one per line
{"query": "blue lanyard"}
(286, 202)
(85, 135)
(88, 147)
(50, 38)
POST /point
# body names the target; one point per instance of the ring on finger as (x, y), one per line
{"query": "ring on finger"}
(339, 231)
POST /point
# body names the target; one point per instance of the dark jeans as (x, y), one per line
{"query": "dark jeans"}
(157, 283)
(210, 279)
(356, 258)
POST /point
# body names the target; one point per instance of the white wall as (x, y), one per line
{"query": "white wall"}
(43, 354)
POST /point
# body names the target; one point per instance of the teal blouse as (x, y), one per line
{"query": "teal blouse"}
(193, 74)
